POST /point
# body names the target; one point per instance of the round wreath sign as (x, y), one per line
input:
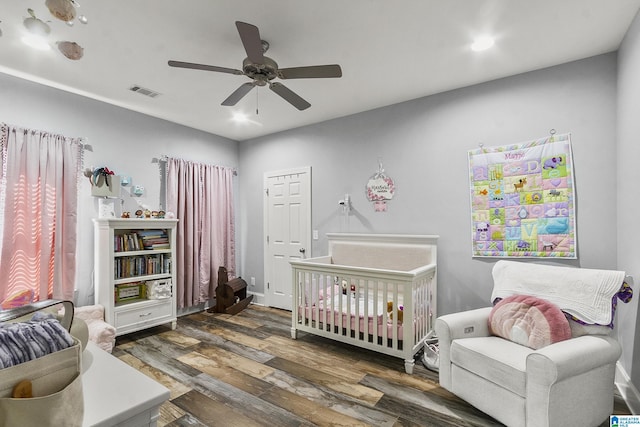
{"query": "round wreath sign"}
(380, 187)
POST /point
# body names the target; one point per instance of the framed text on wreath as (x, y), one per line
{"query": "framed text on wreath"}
(522, 199)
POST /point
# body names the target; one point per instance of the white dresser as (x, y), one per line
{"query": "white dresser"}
(115, 394)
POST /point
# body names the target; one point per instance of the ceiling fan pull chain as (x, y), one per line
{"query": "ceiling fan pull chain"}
(257, 102)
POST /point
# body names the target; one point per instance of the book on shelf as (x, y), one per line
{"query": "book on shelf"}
(154, 239)
(141, 265)
(146, 239)
(127, 242)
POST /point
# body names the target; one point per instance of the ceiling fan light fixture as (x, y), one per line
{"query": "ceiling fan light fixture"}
(482, 43)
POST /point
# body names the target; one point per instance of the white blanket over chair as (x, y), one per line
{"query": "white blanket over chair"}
(584, 293)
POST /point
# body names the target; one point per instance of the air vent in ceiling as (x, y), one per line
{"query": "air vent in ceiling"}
(144, 91)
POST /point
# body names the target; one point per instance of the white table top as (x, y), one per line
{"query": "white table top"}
(114, 391)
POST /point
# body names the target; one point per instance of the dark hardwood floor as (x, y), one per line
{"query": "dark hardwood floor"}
(245, 370)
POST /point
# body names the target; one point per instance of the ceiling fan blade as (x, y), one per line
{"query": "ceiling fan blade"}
(193, 66)
(250, 36)
(290, 96)
(238, 94)
(314, 71)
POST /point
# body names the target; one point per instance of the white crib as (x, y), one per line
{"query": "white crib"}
(346, 295)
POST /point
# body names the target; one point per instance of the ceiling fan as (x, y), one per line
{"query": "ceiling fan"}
(262, 69)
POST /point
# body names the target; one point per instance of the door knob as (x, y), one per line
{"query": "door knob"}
(302, 250)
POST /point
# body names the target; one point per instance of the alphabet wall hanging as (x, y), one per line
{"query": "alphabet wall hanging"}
(522, 199)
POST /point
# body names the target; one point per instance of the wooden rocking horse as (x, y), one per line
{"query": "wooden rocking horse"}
(231, 295)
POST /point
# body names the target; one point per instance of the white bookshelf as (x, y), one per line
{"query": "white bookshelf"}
(128, 255)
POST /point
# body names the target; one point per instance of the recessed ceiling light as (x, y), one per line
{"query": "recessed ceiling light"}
(482, 43)
(244, 119)
(36, 42)
(240, 117)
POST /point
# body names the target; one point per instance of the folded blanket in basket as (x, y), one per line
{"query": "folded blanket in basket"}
(24, 341)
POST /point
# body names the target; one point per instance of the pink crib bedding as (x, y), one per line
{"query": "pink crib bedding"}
(325, 317)
(349, 312)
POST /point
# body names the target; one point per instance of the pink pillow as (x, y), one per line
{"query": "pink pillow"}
(529, 321)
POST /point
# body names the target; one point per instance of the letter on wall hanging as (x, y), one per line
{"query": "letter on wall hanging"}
(522, 199)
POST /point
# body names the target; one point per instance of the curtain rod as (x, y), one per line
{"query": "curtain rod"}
(164, 158)
(82, 141)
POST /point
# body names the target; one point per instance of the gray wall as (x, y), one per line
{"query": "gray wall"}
(123, 140)
(628, 174)
(423, 145)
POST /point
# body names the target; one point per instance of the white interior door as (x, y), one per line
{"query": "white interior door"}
(287, 230)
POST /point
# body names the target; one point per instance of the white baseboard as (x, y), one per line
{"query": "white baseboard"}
(257, 298)
(628, 391)
(194, 309)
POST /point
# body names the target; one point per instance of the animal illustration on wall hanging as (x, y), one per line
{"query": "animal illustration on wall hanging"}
(522, 199)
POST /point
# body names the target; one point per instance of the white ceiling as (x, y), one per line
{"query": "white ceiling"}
(389, 51)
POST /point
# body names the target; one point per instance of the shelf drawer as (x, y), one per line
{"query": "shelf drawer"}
(137, 316)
